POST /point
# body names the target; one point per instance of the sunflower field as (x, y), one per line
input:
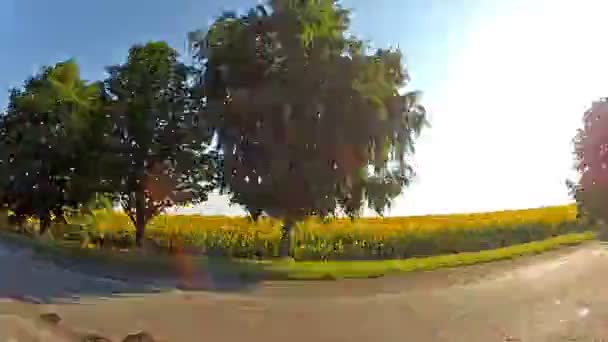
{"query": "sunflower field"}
(343, 239)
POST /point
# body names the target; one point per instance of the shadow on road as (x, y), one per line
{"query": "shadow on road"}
(37, 277)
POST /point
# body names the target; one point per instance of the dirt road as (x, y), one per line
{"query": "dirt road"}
(557, 296)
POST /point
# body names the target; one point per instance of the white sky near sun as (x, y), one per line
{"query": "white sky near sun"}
(504, 117)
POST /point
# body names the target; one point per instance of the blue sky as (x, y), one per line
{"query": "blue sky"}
(98, 33)
(505, 81)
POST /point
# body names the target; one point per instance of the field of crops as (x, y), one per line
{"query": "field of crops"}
(363, 239)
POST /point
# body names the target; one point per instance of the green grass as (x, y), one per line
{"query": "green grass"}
(288, 269)
(361, 269)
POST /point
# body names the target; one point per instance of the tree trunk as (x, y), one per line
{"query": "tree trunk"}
(254, 215)
(140, 220)
(45, 223)
(286, 243)
(61, 219)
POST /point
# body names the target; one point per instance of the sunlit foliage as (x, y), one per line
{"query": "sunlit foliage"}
(47, 143)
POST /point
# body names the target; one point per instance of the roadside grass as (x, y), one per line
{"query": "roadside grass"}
(367, 269)
(133, 262)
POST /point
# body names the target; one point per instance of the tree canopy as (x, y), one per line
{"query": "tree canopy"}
(45, 139)
(155, 149)
(308, 119)
(137, 138)
(591, 154)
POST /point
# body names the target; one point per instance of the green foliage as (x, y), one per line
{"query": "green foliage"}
(137, 138)
(44, 143)
(155, 148)
(100, 202)
(307, 121)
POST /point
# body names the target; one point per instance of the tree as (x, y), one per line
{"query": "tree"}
(44, 144)
(308, 122)
(591, 154)
(156, 146)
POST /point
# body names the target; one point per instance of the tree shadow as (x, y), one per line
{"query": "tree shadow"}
(42, 275)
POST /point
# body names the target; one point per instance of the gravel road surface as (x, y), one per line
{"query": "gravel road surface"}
(556, 296)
